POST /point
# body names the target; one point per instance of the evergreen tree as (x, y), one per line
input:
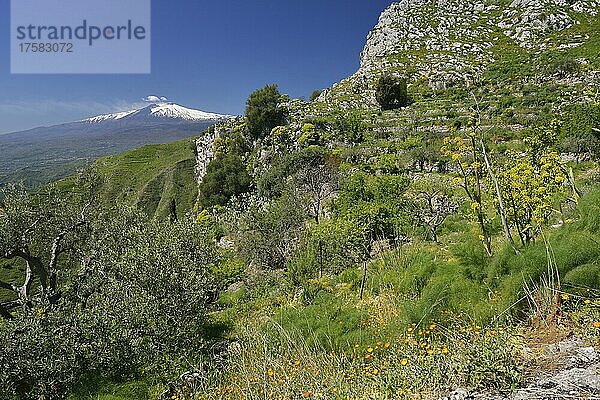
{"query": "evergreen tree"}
(225, 177)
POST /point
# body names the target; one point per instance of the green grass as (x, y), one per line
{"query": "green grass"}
(151, 177)
(103, 390)
(426, 282)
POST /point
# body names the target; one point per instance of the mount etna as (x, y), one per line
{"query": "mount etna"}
(44, 154)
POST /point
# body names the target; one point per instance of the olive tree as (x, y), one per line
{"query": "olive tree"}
(135, 299)
(432, 202)
(40, 234)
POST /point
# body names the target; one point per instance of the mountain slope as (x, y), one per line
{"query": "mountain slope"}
(44, 154)
(151, 177)
(440, 45)
(158, 113)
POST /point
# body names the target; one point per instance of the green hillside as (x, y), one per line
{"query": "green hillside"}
(151, 177)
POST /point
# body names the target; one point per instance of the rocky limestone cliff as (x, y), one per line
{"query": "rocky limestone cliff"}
(447, 43)
(501, 50)
(205, 145)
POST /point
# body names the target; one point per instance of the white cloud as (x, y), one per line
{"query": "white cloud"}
(154, 99)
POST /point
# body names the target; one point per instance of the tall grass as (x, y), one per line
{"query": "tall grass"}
(427, 361)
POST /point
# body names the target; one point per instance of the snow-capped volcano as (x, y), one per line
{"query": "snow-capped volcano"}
(160, 112)
(65, 147)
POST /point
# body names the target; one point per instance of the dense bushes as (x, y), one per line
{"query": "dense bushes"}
(273, 182)
(326, 248)
(226, 176)
(132, 302)
(267, 233)
(375, 203)
(564, 68)
(391, 92)
(580, 132)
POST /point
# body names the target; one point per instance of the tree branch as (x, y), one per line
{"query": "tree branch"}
(57, 250)
(28, 230)
(26, 288)
(499, 197)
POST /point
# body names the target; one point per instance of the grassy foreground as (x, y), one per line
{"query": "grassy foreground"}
(432, 318)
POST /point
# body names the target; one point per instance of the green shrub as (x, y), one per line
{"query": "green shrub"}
(351, 127)
(325, 248)
(391, 92)
(472, 257)
(274, 181)
(589, 210)
(263, 111)
(268, 234)
(226, 176)
(99, 389)
(309, 136)
(137, 307)
(327, 322)
(564, 68)
(586, 275)
(580, 131)
(375, 205)
(315, 94)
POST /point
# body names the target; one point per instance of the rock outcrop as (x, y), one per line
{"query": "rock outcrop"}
(205, 145)
(449, 43)
(574, 376)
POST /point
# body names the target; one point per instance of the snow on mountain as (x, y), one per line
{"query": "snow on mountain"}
(171, 110)
(107, 117)
(160, 112)
(67, 146)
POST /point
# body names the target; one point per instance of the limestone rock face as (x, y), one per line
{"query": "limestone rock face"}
(204, 153)
(422, 31)
(449, 43)
(531, 22)
(205, 145)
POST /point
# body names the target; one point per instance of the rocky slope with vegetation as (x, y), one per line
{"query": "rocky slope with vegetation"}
(428, 224)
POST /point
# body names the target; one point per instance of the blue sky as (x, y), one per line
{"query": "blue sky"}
(205, 54)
